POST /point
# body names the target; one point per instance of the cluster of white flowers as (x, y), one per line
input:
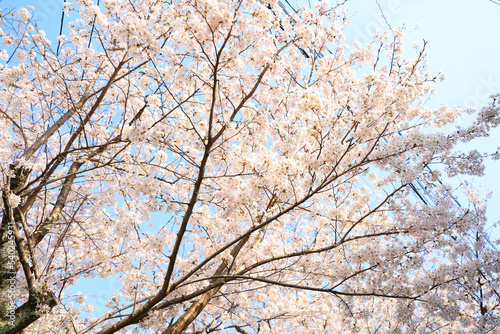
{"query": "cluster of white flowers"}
(154, 101)
(7, 40)
(21, 55)
(24, 14)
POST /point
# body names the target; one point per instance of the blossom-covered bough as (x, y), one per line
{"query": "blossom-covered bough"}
(193, 154)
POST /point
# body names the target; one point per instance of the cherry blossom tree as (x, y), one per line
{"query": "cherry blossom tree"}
(236, 170)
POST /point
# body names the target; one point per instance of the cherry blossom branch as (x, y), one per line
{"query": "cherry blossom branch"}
(182, 323)
(28, 153)
(138, 313)
(229, 278)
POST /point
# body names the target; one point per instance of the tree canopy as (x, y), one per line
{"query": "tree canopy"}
(236, 169)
